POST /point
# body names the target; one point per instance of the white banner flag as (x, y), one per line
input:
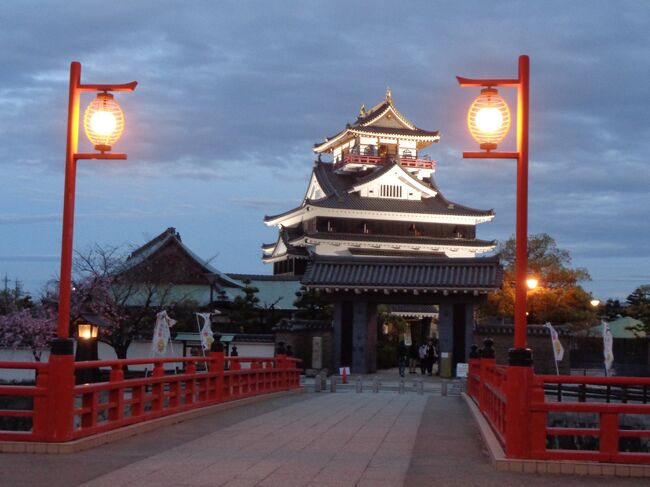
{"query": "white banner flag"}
(161, 333)
(558, 349)
(206, 331)
(608, 345)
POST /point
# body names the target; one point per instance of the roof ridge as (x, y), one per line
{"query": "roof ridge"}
(169, 232)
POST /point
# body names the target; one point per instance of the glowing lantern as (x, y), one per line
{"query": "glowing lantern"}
(595, 302)
(87, 330)
(488, 118)
(103, 122)
(531, 282)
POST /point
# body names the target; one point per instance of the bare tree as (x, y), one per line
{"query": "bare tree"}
(128, 291)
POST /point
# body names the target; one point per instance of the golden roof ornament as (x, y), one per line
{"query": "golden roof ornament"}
(389, 95)
(362, 110)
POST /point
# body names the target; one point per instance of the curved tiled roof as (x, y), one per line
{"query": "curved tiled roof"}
(409, 240)
(435, 206)
(475, 274)
(336, 189)
(361, 125)
(418, 133)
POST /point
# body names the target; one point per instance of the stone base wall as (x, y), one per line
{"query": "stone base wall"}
(301, 343)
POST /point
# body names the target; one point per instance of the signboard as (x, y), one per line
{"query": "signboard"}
(462, 369)
(344, 370)
(407, 338)
(317, 353)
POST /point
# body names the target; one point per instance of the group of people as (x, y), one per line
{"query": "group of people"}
(426, 354)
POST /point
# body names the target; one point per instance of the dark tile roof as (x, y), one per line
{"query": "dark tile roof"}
(372, 113)
(434, 206)
(336, 188)
(393, 253)
(375, 112)
(262, 277)
(295, 324)
(339, 196)
(172, 237)
(455, 242)
(481, 274)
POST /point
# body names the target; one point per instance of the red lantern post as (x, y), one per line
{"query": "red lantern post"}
(520, 354)
(61, 362)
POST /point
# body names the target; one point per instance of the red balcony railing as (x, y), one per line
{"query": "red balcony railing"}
(57, 410)
(373, 160)
(530, 423)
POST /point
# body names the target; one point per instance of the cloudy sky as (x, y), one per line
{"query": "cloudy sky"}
(233, 95)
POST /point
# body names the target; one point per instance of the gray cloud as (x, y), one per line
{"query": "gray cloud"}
(233, 95)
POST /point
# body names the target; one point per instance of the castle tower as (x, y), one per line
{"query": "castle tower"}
(374, 228)
(375, 197)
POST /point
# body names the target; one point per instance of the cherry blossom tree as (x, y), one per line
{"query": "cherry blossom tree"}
(28, 328)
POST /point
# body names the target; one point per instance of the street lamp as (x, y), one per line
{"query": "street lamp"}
(489, 121)
(595, 302)
(103, 123)
(532, 283)
(88, 325)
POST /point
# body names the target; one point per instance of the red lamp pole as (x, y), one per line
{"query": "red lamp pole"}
(71, 158)
(520, 355)
(58, 414)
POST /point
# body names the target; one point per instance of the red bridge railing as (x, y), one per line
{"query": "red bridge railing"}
(533, 423)
(58, 410)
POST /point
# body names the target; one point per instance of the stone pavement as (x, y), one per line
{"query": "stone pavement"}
(324, 439)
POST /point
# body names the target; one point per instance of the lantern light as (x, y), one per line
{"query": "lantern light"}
(595, 302)
(87, 330)
(488, 118)
(103, 122)
(531, 282)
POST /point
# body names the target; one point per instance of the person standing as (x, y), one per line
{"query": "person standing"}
(402, 357)
(413, 358)
(422, 352)
(432, 356)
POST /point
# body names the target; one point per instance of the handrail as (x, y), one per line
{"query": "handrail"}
(87, 409)
(23, 365)
(580, 379)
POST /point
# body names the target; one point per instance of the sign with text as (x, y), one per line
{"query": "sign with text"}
(407, 338)
(317, 353)
(462, 369)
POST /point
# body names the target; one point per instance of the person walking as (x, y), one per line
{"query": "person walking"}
(402, 357)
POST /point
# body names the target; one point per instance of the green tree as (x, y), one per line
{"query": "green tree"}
(611, 309)
(245, 309)
(14, 299)
(559, 297)
(311, 305)
(639, 306)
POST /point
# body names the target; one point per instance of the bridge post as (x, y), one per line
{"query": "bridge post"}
(519, 391)
(217, 365)
(56, 419)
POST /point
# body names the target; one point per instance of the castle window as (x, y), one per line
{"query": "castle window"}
(390, 191)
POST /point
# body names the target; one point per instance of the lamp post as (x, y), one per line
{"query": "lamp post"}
(489, 122)
(88, 326)
(103, 123)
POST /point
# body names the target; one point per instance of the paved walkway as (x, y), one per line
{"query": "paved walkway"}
(349, 439)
